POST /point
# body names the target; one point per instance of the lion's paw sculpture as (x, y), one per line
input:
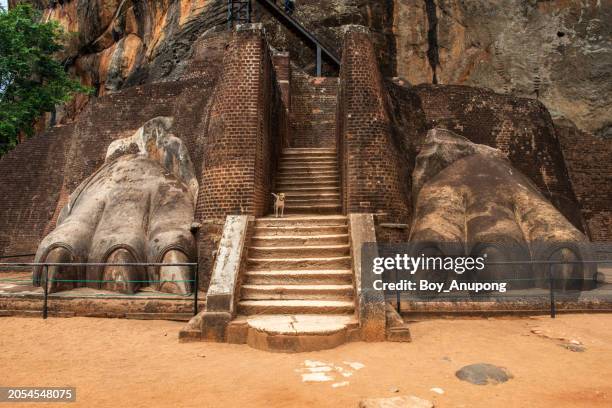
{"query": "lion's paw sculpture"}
(470, 200)
(138, 207)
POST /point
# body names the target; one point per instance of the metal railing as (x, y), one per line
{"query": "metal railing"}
(553, 283)
(45, 277)
(241, 12)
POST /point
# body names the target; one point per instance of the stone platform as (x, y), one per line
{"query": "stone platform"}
(294, 333)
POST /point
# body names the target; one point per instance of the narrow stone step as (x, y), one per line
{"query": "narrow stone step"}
(310, 156)
(298, 240)
(284, 184)
(302, 221)
(325, 169)
(308, 178)
(253, 307)
(280, 231)
(290, 166)
(297, 292)
(303, 276)
(307, 150)
(310, 190)
(332, 262)
(314, 158)
(299, 252)
(307, 173)
(307, 196)
(290, 201)
(310, 209)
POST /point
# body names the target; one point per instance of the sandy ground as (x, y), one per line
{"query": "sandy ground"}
(128, 363)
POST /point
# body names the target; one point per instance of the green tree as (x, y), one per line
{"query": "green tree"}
(32, 81)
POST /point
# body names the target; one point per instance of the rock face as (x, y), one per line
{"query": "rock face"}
(557, 51)
(117, 43)
(138, 207)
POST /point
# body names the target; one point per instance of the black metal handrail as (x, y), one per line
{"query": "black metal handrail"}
(290, 22)
(46, 266)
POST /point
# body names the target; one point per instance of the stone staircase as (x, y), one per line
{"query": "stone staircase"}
(297, 292)
(290, 271)
(310, 180)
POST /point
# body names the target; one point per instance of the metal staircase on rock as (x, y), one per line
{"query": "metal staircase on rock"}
(297, 292)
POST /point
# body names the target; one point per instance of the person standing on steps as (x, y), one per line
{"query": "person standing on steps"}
(289, 6)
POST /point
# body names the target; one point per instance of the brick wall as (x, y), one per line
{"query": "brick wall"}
(313, 110)
(32, 176)
(374, 176)
(589, 162)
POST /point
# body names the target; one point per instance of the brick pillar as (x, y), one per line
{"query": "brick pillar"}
(234, 149)
(374, 175)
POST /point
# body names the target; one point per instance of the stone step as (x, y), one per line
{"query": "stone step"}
(290, 201)
(309, 156)
(313, 230)
(256, 307)
(283, 167)
(307, 150)
(301, 221)
(296, 292)
(307, 173)
(282, 186)
(313, 209)
(299, 252)
(308, 196)
(293, 190)
(299, 277)
(268, 264)
(298, 240)
(308, 182)
(308, 178)
(299, 333)
(307, 160)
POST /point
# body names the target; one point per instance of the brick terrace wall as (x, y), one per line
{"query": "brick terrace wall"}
(32, 176)
(374, 176)
(313, 110)
(520, 127)
(589, 162)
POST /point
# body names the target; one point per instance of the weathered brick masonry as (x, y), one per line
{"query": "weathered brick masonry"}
(32, 176)
(313, 110)
(242, 136)
(589, 162)
(374, 176)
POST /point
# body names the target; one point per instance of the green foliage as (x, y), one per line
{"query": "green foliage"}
(32, 81)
